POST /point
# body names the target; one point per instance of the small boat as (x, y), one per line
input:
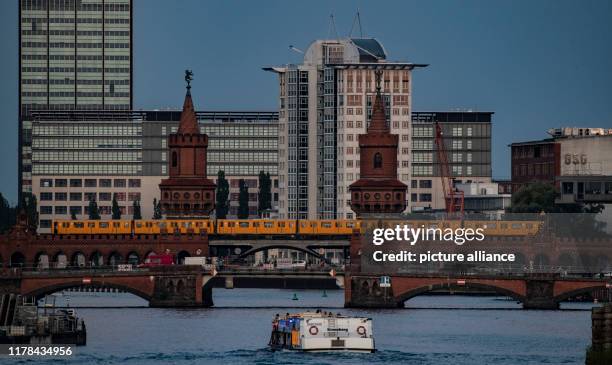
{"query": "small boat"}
(321, 332)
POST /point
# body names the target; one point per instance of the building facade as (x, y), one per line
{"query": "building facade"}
(325, 103)
(534, 161)
(73, 54)
(83, 154)
(467, 140)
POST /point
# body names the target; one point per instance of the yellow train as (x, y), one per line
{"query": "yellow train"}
(244, 227)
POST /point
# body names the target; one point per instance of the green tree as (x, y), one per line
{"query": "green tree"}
(28, 205)
(136, 207)
(540, 197)
(94, 212)
(7, 214)
(243, 200)
(157, 214)
(222, 203)
(264, 195)
(115, 210)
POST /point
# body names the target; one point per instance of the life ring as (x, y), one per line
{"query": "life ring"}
(313, 330)
(361, 330)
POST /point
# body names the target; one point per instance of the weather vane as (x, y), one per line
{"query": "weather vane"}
(188, 78)
(378, 76)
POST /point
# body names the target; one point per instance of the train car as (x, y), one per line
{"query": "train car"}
(327, 227)
(255, 226)
(63, 227)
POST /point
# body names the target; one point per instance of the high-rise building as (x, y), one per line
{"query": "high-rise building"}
(325, 103)
(73, 55)
(81, 155)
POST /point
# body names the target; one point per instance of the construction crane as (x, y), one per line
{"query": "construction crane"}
(453, 198)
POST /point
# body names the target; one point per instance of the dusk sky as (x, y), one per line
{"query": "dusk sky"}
(536, 64)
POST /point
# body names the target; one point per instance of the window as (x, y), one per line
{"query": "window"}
(45, 209)
(568, 188)
(61, 183)
(76, 196)
(46, 183)
(119, 183)
(377, 160)
(134, 183)
(61, 210)
(76, 183)
(413, 197)
(76, 210)
(105, 183)
(90, 196)
(468, 170)
(105, 197)
(90, 183)
(46, 196)
(61, 196)
(425, 184)
(413, 184)
(469, 144)
(174, 159)
(457, 131)
(425, 197)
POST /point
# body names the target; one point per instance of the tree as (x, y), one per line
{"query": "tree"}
(222, 203)
(29, 207)
(136, 207)
(243, 200)
(94, 213)
(540, 197)
(115, 210)
(7, 214)
(73, 215)
(264, 196)
(157, 214)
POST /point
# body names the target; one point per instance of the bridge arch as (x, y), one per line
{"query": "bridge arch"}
(180, 257)
(41, 292)
(96, 258)
(60, 260)
(572, 293)
(133, 258)
(405, 296)
(306, 250)
(115, 258)
(17, 259)
(41, 260)
(78, 259)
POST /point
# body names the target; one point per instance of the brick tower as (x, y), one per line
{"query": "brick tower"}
(378, 190)
(187, 192)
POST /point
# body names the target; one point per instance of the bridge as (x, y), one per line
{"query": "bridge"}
(172, 286)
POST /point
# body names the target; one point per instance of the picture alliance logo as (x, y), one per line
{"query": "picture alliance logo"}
(411, 235)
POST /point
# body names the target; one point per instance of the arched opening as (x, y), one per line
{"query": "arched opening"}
(78, 260)
(170, 287)
(17, 260)
(447, 286)
(180, 257)
(96, 259)
(1, 262)
(566, 261)
(60, 261)
(41, 260)
(180, 287)
(377, 160)
(174, 159)
(602, 263)
(40, 293)
(541, 261)
(115, 259)
(133, 258)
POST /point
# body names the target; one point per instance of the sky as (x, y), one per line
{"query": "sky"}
(537, 64)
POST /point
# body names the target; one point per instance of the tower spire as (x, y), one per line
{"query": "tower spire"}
(189, 122)
(378, 123)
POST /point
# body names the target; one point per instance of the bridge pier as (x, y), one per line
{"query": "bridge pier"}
(365, 292)
(176, 291)
(540, 294)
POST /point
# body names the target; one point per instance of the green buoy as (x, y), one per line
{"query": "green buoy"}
(324, 293)
(295, 296)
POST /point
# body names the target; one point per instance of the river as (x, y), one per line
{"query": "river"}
(431, 330)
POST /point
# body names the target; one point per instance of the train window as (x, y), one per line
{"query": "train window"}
(517, 225)
(350, 225)
(66, 225)
(116, 224)
(504, 225)
(102, 224)
(313, 224)
(243, 224)
(91, 225)
(255, 224)
(281, 224)
(268, 224)
(231, 224)
(198, 224)
(529, 225)
(491, 226)
(138, 225)
(161, 224)
(326, 224)
(126, 224)
(79, 225)
(303, 224)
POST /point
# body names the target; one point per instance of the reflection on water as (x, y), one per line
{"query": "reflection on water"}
(488, 330)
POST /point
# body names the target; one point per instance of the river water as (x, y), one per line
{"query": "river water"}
(431, 330)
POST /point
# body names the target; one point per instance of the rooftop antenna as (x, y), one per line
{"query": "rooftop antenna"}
(357, 20)
(332, 27)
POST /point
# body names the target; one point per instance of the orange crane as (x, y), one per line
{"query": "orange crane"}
(453, 198)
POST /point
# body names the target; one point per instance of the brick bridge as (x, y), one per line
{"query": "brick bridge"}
(172, 286)
(538, 290)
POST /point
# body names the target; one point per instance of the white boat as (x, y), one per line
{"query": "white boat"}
(321, 332)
